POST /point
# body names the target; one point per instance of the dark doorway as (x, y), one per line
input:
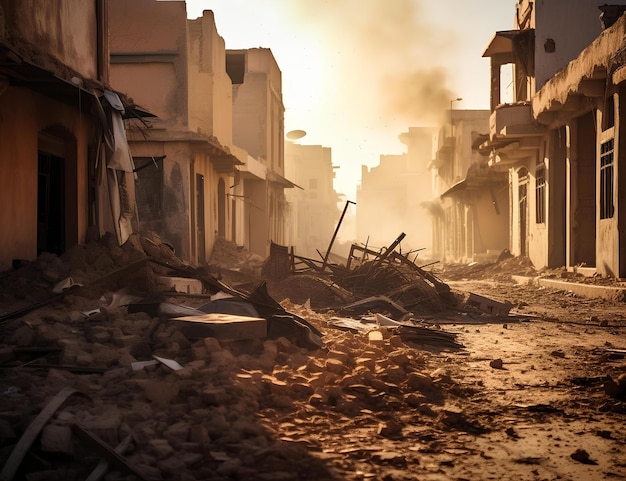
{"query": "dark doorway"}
(50, 204)
(200, 224)
(584, 188)
(149, 192)
(233, 206)
(523, 211)
(221, 209)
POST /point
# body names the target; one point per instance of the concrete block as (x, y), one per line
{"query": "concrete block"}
(160, 392)
(57, 438)
(489, 306)
(225, 327)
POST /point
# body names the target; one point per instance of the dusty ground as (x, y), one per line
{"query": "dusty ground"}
(524, 399)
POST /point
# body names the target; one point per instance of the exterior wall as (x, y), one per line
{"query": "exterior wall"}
(65, 29)
(620, 179)
(62, 37)
(23, 115)
(581, 195)
(258, 111)
(418, 185)
(258, 128)
(397, 191)
(473, 220)
(490, 229)
(149, 57)
(208, 81)
(180, 75)
(189, 222)
(608, 230)
(256, 215)
(571, 25)
(537, 232)
(382, 195)
(515, 238)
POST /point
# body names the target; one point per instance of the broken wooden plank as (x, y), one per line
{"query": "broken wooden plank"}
(113, 457)
(103, 466)
(21, 448)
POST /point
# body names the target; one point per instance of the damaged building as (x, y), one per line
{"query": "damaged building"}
(67, 175)
(258, 129)
(314, 205)
(396, 190)
(470, 207)
(211, 165)
(558, 138)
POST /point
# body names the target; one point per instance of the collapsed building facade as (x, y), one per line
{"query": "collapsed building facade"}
(559, 138)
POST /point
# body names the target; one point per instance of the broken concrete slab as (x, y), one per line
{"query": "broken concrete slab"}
(489, 306)
(225, 327)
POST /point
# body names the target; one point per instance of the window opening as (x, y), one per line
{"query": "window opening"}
(540, 196)
(607, 206)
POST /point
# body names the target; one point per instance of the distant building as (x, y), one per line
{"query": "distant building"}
(392, 196)
(470, 209)
(313, 206)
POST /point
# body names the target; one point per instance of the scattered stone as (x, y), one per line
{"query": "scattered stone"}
(390, 429)
(496, 363)
(582, 456)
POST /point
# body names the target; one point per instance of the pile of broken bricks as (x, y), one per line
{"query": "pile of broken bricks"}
(106, 376)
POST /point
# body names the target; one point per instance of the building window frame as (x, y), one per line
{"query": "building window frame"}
(607, 179)
(540, 194)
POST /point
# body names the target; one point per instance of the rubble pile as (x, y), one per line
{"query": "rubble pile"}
(366, 273)
(103, 375)
(502, 270)
(234, 264)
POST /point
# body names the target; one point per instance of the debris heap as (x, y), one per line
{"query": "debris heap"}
(366, 273)
(143, 367)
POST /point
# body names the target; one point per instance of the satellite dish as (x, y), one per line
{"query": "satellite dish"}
(295, 134)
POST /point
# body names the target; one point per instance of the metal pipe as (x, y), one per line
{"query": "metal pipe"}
(332, 241)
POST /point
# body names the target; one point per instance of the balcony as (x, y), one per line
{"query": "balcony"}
(513, 135)
(514, 121)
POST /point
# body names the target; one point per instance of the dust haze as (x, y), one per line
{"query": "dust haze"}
(385, 58)
(386, 62)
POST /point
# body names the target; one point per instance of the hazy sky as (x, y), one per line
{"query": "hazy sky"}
(357, 73)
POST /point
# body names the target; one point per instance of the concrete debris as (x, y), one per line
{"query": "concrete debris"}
(386, 277)
(277, 390)
(488, 306)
